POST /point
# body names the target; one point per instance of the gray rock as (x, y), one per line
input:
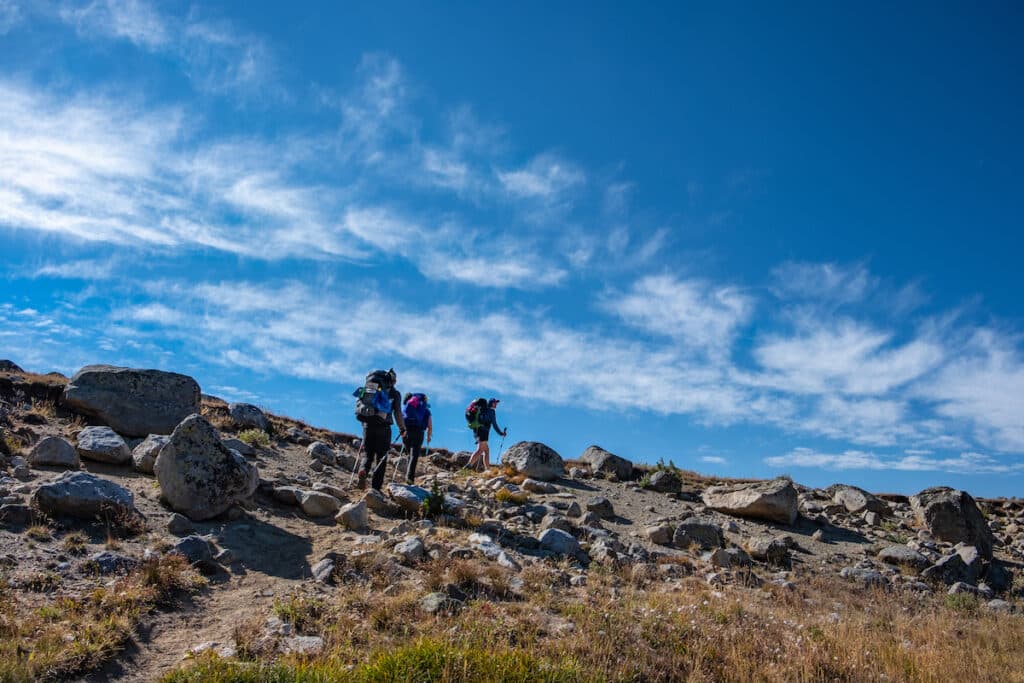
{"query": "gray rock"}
(411, 549)
(83, 495)
(440, 603)
(574, 510)
(665, 481)
(701, 531)
(323, 571)
(534, 486)
(306, 646)
(602, 507)
(199, 477)
(409, 498)
(729, 557)
(872, 518)
(225, 557)
(868, 577)
(953, 516)
(246, 415)
(144, 455)
(318, 450)
(107, 562)
(15, 515)
(775, 501)
(331, 490)
(317, 504)
(768, 549)
(133, 402)
(903, 556)
(380, 505)
(601, 460)
(53, 451)
(354, 516)
(197, 551)
(103, 444)
(857, 500)
(559, 542)
(1000, 606)
(553, 521)
(286, 495)
(535, 460)
(660, 534)
(238, 445)
(179, 525)
(951, 569)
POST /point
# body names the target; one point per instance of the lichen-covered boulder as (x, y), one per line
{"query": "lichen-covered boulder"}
(775, 501)
(131, 401)
(53, 451)
(535, 460)
(951, 515)
(247, 415)
(199, 476)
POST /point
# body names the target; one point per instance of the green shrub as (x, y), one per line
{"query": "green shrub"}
(255, 437)
(433, 505)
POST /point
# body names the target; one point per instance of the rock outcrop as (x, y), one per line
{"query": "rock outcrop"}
(199, 476)
(535, 460)
(133, 402)
(952, 516)
(601, 460)
(775, 500)
(857, 500)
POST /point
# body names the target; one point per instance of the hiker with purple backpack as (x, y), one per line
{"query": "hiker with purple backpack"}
(418, 422)
(480, 417)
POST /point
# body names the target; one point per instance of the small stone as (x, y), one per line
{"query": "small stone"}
(179, 525)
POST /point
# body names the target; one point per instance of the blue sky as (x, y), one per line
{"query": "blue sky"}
(751, 240)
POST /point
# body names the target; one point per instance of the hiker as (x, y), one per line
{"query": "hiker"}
(481, 417)
(416, 410)
(377, 404)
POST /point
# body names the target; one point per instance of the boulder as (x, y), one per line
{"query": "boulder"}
(83, 495)
(768, 549)
(953, 516)
(247, 415)
(535, 460)
(317, 504)
(660, 534)
(144, 455)
(775, 500)
(16, 515)
(702, 531)
(534, 486)
(602, 507)
(411, 549)
(409, 498)
(238, 445)
(53, 451)
(103, 444)
(179, 525)
(559, 542)
(133, 402)
(951, 569)
(665, 481)
(196, 550)
(199, 476)
(378, 503)
(857, 500)
(318, 450)
(601, 460)
(440, 603)
(903, 556)
(108, 562)
(354, 516)
(286, 495)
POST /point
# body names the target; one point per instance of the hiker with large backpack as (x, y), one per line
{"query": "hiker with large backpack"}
(378, 403)
(480, 417)
(418, 422)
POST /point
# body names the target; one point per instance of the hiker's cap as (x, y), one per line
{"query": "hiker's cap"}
(493, 402)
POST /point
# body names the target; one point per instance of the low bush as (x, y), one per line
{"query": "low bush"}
(255, 437)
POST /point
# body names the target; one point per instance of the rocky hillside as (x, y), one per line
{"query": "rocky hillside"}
(149, 531)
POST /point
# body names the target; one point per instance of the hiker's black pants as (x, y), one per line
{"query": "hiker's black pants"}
(414, 446)
(376, 443)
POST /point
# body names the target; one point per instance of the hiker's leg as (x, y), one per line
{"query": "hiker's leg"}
(486, 446)
(414, 440)
(383, 446)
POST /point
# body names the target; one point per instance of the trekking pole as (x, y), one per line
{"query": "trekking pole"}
(355, 468)
(401, 454)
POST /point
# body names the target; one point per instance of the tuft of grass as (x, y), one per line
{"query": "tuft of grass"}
(255, 437)
(303, 613)
(39, 532)
(511, 497)
(75, 543)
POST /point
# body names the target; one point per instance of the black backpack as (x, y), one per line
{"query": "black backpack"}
(473, 412)
(373, 399)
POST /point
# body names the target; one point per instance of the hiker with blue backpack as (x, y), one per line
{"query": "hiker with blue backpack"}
(481, 417)
(418, 422)
(378, 403)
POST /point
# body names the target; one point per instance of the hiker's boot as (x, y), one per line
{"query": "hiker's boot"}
(361, 482)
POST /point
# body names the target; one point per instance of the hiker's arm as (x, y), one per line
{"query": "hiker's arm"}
(494, 423)
(396, 402)
(430, 428)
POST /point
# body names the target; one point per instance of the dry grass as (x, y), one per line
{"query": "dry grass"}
(503, 495)
(39, 532)
(255, 437)
(824, 630)
(73, 634)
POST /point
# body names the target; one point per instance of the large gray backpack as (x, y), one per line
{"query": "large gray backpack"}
(373, 399)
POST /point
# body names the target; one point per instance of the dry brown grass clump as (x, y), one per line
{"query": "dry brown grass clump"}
(69, 635)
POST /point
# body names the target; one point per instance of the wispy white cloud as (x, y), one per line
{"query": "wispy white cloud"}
(713, 459)
(216, 56)
(965, 463)
(823, 281)
(545, 177)
(10, 15)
